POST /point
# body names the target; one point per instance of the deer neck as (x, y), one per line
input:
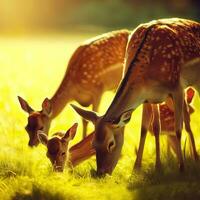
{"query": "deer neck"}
(130, 92)
(62, 96)
(81, 151)
(134, 89)
(126, 100)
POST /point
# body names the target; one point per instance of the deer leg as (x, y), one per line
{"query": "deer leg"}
(193, 150)
(156, 131)
(178, 114)
(146, 119)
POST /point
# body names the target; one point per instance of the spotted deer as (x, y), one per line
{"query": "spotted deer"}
(95, 67)
(166, 114)
(58, 152)
(57, 146)
(155, 55)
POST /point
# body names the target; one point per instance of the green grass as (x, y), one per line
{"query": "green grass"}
(33, 68)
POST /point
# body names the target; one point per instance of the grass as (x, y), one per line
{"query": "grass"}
(27, 64)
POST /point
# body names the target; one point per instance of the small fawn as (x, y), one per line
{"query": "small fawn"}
(57, 146)
(95, 67)
(155, 60)
(58, 152)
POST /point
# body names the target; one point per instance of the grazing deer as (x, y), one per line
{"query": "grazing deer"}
(95, 67)
(57, 146)
(155, 55)
(166, 114)
(59, 153)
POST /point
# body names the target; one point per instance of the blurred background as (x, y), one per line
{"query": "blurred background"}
(30, 16)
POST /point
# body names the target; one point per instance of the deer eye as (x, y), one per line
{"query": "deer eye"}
(63, 153)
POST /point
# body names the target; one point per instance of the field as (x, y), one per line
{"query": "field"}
(33, 67)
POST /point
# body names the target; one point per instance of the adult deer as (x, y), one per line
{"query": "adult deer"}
(155, 54)
(95, 67)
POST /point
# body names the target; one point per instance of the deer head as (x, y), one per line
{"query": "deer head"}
(37, 120)
(107, 142)
(190, 92)
(57, 146)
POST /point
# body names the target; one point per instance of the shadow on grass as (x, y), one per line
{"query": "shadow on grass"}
(40, 194)
(167, 183)
(175, 191)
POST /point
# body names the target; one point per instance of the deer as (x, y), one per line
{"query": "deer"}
(166, 114)
(57, 146)
(58, 152)
(95, 67)
(155, 55)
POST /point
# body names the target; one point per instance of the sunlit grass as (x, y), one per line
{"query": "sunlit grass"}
(33, 67)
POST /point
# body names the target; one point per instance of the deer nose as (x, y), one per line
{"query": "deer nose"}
(58, 169)
(102, 172)
(30, 144)
(33, 142)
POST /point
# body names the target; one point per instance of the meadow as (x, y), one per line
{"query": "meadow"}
(33, 67)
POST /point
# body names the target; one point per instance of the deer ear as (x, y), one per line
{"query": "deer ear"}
(70, 134)
(189, 95)
(43, 138)
(24, 105)
(46, 107)
(88, 115)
